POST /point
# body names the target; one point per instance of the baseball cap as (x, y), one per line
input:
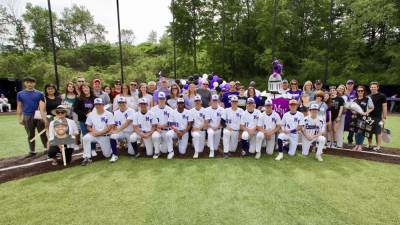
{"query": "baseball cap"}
(234, 98)
(314, 106)
(142, 101)
(58, 109)
(98, 101)
(59, 122)
(268, 102)
(250, 101)
(29, 79)
(161, 95)
(285, 81)
(180, 100)
(350, 82)
(214, 97)
(121, 99)
(197, 98)
(293, 102)
(96, 81)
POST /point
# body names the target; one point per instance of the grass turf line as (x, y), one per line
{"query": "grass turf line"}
(296, 190)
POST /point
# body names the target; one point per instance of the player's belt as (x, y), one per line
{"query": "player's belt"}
(166, 129)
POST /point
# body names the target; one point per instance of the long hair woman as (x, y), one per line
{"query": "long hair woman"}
(367, 106)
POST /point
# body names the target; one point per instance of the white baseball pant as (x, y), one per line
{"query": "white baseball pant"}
(214, 137)
(104, 142)
(230, 140)
(340, 132)
(160, 141)
(306, 144)
(124, 136)
(199, 139)
(182, 142)
(251, 139)
(270, 143)
(148, 143)
(293, 140)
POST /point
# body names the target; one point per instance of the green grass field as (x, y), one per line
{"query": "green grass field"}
(13, 137)
(235, 191)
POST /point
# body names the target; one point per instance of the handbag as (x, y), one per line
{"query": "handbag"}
(386, 135)
(37, 115)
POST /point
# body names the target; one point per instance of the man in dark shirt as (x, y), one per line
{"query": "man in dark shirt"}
(378, 114)
(226, 97)
(28, 101)
(205, 93)
(336, 116)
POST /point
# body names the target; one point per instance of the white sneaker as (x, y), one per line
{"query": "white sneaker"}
(211, 154)
(258, 155)
(171, 155)
(279, 157)
(114, 158)
(94, 153)
(196, 155)
(155, 156)
(319, 158)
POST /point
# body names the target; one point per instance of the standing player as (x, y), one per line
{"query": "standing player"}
(313, 132)
(123, 128)
(200, 124)
(292, 123)
(99, 123)
(214, 125)
(230, 119)
(268, 125)
(161, 113)
(144, 125)
(180, 122)
(248, 124)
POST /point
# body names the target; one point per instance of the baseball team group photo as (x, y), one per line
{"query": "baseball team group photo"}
(241, 112)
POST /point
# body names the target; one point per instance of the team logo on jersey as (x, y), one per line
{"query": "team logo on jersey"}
(255, 117)
(202, 115)
(147, 119)
(273, 120)
(166, 114)
(104, 119)
(218, 114)
(237, 114)
(118, 123)
(126, 115)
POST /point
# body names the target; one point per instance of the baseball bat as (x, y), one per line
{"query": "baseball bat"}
(37, 135)
(63, 155)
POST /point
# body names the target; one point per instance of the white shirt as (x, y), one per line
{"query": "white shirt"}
(291, 121)
(131, 102)
(144, 121)
(180, 120)
(199, 116)
(313, 126)
(249, 120)
(161, 115)
(269, 122)
(99, 122)
(232, 118)
(215, 116)
(121, 117)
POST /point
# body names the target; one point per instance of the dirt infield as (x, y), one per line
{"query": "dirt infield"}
(19, 167)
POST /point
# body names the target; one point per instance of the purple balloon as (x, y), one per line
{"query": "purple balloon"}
(186, 86)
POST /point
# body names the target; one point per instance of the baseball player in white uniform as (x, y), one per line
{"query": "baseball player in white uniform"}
(123, 129)
(313, 132)
(144, 125)
(161, 113)
(99, 123)
(181, 123)
(268, 125)
(248, 124)
(231, 122)
(214, 125)
(200, 125)
(292, 123)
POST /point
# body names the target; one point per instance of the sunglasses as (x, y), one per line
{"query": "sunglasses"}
(360, 90)
(133, 84)
(293, 84)
(81, 81)
(60, 112)
(205, 84)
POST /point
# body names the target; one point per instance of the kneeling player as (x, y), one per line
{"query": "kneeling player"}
(267, 126)
(214, 125)
(144, 125)
(231, 120)
(123, 129)
(200, 124)
(181, 122)
(313, 132)
(248, 124)
(99, 123)
(292, 123)
(161, 113)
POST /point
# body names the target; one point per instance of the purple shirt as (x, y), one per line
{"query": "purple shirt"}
(226, 98)
(30, 101)
(280, 105)
(295, 94)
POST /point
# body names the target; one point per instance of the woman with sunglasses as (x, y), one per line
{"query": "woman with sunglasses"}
(131, 101)
(174, 94)
(69, 127)
(367, 106)
(294, 90)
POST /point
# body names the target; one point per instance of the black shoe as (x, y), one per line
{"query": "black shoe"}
(137, 155)
(226, 155)
(86, 162)
(244, 153)
(30, 154)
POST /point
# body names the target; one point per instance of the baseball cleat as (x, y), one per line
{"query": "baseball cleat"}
(114, 158)
(171, 155)
(211, 154)
(258, 155)
(94, 153)
(155, 156)
(196, 155)
(279, 157)
(319, 158)
(244, 153)
(226, 155)
(86, 161)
